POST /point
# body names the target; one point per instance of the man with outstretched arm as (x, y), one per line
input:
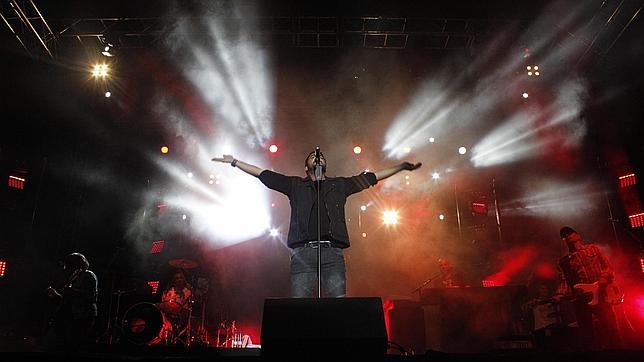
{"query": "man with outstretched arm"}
(303, 227)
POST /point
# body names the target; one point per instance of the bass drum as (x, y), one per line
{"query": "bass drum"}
(145, 324)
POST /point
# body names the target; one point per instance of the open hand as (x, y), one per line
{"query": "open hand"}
(224, 159)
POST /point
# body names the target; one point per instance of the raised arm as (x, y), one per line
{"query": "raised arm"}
(383, 174)
(246, 167)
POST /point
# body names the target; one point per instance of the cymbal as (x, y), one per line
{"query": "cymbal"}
(183, 263)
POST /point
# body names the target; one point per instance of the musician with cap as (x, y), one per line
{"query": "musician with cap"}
(587, 275)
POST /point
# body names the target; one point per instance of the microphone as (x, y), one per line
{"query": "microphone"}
(318, 167)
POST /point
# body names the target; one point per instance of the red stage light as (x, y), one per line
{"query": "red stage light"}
(154, 284)
(357, 150)
(637, 220)
(642, 264)
(157, 246)
(3, 268)
(165, 149)
(16, 182)
(273, 148)
(627, 180)
(479, 208)
(488, 283)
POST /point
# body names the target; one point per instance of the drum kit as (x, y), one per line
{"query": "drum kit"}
(170, 322)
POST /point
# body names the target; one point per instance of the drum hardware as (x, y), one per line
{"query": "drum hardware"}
(112, 321)
(145, 324)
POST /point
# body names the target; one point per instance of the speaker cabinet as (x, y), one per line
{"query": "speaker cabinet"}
(323, 327)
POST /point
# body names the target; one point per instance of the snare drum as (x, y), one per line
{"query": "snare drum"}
(145, 324)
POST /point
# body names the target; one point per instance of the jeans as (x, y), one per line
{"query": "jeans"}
(304, 264)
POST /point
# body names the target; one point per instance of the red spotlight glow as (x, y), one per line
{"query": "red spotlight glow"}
(642, 264)
(357, 150)
(165, 149)
(273, 148)
(3, 268)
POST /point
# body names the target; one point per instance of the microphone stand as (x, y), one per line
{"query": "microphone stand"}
(318, 175)
(425, 283)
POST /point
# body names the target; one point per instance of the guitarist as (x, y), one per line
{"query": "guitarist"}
(586, 264)
(76, 310)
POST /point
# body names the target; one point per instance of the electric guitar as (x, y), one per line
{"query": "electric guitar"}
(610, 294)
(56, 295)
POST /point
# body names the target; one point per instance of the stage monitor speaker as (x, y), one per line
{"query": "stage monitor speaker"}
(323, 327)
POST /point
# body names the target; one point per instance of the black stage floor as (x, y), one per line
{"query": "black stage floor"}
(159, 353)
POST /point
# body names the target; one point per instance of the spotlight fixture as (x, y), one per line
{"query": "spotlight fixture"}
(525, 95)
(100, 71)
(357, 150)
(441, 216)
(431, 140)
(273, 148)
(462, 150)
(436, 176)
(390, 217)
(108, 94)
(165, 149)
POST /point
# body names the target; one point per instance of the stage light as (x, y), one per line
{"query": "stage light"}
(100, 71)
(165, 149)
(530, 73)
(108, 94)
(184, 217)
(190, 175)
(479, 208)
(273, 204)
(529, 67)
(154, 286)
(525, 95)
(637, 220)
(536, 67)
(274, 232)
(627, 180)
(364, 235)
(406, 177)
(157, 246)
(273, 148)
(441, 217)
(363, 207)
(462, 150)
(436, 176)
(357, 150)
(211, 182)
(488, 283)
(390, 217)
(211, 176)
(536, 73)
(16, 182)
(642, 264)
(108, 50)
(431, 139)
(3, 268)
(407, 149)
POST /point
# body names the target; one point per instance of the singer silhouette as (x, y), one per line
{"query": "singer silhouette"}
(302, 235)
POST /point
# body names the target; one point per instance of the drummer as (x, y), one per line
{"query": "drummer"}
(176, 298)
